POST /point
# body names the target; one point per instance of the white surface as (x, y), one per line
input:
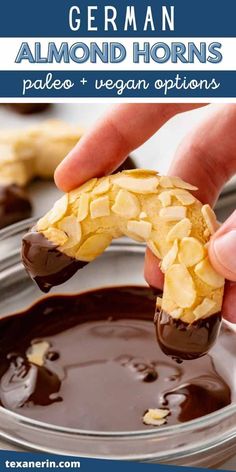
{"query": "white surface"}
(155, 153)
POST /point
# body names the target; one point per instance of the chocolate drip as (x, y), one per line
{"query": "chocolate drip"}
(186, 341)
(103, 368)
(45, 263)
(14, 205)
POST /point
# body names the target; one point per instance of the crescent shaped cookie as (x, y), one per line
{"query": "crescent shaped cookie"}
(158, 210)
(35, 151)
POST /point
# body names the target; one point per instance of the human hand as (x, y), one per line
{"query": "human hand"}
(206, 158)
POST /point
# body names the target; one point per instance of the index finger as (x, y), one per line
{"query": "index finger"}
(207, 157)
(106, 146)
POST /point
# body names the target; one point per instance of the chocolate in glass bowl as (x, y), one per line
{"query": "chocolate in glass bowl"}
(100, 368)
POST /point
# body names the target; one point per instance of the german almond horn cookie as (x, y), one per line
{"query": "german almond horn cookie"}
(35, 151)
(157, 210)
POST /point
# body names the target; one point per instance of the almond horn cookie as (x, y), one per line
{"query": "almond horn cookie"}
(35, 151)
(158, 210)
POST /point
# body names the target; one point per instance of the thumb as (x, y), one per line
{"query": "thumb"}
(222, 249)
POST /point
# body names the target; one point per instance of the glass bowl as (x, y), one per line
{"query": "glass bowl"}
(207, 441)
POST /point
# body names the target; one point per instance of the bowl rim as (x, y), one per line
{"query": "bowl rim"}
(212, 419)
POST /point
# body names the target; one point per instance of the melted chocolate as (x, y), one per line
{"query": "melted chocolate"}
(49, 267)
(28, 108)
(14, 205)
(186, 341)
(103, 368)
(45, 263)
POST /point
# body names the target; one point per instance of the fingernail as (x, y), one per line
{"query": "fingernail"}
(225, 250)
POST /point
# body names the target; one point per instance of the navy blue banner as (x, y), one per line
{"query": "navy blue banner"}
(29, 461)
(168, 84)
(50, 18)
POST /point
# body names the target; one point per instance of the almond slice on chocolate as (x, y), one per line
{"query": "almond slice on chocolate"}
(56, 236)
(204, 308)
(37, 351)
(155, 416)
(177, 313)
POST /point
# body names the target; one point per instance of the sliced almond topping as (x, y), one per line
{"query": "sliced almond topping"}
(100, 207)
(36, 352)
(165, 198)
(59, 209)
(56, 236)
(173, 213)
(143, 215)
(72, 228)
(154, 248)
(43, 223)
(208, 275)
(55, 214)
(181, 230)
(210, 218)
(204, 308)
(177, 313)
(155, 416)
(141, 229)
(165, 182)
(142, 185)
(87, 187)
(140, 172)
(191, 251)
(170, 257)
(183, 196)
(158, 302)
(181, 184)
(102, 187)
(83, 207)
(126, 204)
(179, 285)
(93, 246)
(207, 233)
